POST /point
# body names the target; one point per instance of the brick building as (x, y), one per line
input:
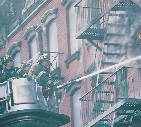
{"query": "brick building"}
(81, 37)
(31, 28)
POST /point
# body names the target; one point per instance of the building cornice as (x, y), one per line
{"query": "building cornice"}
(28, 19)
(91, 68)
(28, 31)
(67, 3)
(49, 15)
(35, 12)
(14, 48)
(74, 56)
(14, 32)
(39, 28)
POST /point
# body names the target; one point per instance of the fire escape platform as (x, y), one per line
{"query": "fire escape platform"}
(92, 34)
(116, 44)
(118, 5)
(120, 15)
(124, 5)
(107, 63)
(128, 103)
(109, 53)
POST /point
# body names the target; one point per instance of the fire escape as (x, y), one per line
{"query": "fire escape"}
(116, 100)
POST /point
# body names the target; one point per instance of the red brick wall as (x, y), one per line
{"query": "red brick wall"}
(76, 67)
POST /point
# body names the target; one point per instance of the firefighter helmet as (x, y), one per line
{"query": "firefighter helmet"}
(6, 59)
(24, 64)
(43, 57)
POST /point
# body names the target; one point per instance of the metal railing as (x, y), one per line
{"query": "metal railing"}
(124, 83)
(90, 12)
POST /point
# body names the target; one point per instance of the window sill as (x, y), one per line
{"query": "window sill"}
(56, 72)
(71, 58)
(72, 88)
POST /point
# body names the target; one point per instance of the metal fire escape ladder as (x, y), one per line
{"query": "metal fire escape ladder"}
(125, 107)
(112, 51)
(99, 102)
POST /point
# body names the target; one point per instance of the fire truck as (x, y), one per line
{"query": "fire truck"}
(22, 104)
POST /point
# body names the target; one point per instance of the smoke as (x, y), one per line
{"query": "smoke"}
(135, 25)
(108, 68)
(137, 1)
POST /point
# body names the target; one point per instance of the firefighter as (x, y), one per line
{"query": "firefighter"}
(9, 71)
(42, 74)
(23, 70)
(1, 74)
(2, 103)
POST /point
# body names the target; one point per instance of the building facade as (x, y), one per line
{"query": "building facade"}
(81, 37)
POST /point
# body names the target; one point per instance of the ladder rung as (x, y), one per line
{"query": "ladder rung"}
(120, 15)
(104, 120)
(121, 123)
(105, 92)
(108, 53)
(109, 63)
(124, 113)
(112, 34)
(99, 110)
(104, 101)
(117, 44)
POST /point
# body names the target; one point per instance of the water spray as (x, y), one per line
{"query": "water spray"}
(99, 71)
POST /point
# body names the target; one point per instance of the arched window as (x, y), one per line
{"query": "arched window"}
(76, 109)
(49, 21)
(43, 41)
(30, 36)
(17, 61)
(74, 91)
(53, 44)
(14, 51)
(33, 49)
(72, 29)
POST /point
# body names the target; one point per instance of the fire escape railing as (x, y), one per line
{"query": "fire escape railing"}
(88, 13)
(123, 84)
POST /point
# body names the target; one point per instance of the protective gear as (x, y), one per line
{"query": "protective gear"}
(9, 73)
(30, 73)
(23, 64)
(47, 90)
(41, 73)
(1, 74)
(43, 57)
(21, 71)
(6, 59)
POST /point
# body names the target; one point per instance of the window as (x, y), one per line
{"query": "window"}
(72, 29)
(34, 51)
(14, 52)
(41, 41)
(17, 61)
(76, 109)
(53, 45)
